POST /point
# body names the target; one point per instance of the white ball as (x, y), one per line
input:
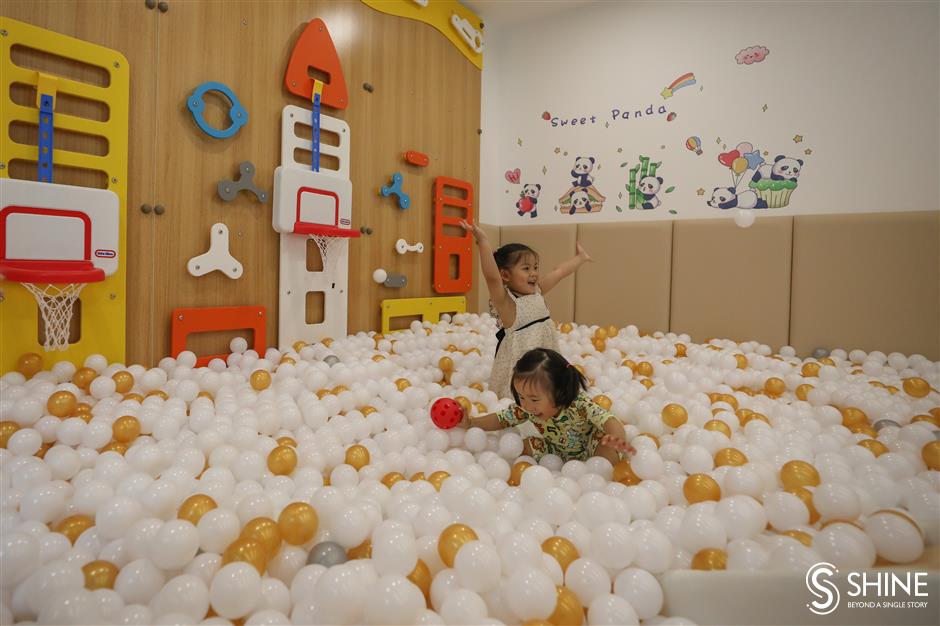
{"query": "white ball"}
(896, 539)
(394, 550)
(139, 581)
(463, 607)
(608, 609)
(535, 481)
(394, 600)
(185, 594)
(530, 593)
(236, 590)
(175, 544)
(102, 387)
(19, 553)
(217, 529)
(478, 566)
(238, 345)
(641, 590)
(612, 545)
(588, 579)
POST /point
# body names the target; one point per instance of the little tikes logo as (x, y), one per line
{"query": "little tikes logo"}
(824, 590)
(869, 590)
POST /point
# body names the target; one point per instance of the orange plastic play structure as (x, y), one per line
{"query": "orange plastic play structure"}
(315, 50)
(188, 321)
(446, 246)
(417, 158)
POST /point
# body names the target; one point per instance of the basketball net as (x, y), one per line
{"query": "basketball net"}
(55, 304)
(330, 248)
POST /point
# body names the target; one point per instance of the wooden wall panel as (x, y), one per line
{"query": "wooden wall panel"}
(130, 28)
(426, 97)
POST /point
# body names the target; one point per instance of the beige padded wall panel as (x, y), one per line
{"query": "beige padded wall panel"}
(628, 283)
(732, 282)
(867, 281)
(481, 304)
(554, 243)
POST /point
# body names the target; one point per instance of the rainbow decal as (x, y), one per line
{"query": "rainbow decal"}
(683, 81)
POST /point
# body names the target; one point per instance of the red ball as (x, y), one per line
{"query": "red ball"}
(446, 413)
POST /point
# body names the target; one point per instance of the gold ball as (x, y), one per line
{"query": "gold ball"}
(477, 386)
(599, 344)
(437, 479)
(630, 364)
(194, 507)
(644, 368)
(244, 550)
(136, 397)
(603, 401)
(798, 474)
(451, 540)
(124, 381)
(568, 610)
(774, 387)
(417, 476)
(701, 487)
(286, 441)
(648, 383)
(282, 460)
(378, 357)
(680, 349)
(876, 447)
(367, 410)
(852, 416)
(710, 559)
(7, 428)
(803, 390)
(566, 328)
(391, 478)
(61, 403)
(674, 415)
(338, 389)
(600, 333)
(446, 364)
(420, 576)
(464, 403)
(264, 530)
(299, 345)
(480, 408)
(260, 379)
(718, 426)
(916, 387)
(125, 429)
(357, 456)
(806, 496)
(515, 474)
(926, 418)
(83, 377)
(810, 370)
(931, 454)
(327, 341)
(362, 551)
(158, 392)
(29, 364)
(298, 523)
(562, 550)
(115, 446)
(729, 399)
(730, 456)
(623, 473)
(74, 525)
(800, 536)
(935, 412)
(402, 384)
(827, 361)
(612, 331)
(742, 361)
(100, 575)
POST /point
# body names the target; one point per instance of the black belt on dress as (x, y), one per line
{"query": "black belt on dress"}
(502, 331)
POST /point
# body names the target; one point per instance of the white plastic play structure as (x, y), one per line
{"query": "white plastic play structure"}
(312, 205)
(218, 256)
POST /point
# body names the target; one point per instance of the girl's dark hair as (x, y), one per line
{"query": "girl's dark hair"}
(509, 255)
(552, 372)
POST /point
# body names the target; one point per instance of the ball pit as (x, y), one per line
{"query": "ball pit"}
(311, 484)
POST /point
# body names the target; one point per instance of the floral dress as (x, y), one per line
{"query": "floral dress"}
(572, 434)
(532, 328)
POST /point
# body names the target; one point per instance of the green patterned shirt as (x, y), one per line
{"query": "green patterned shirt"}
(572, 434)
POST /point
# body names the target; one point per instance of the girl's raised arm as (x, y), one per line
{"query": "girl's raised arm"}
(568, 267)
(494, 283)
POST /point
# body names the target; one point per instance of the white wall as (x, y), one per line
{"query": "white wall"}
(858, 82)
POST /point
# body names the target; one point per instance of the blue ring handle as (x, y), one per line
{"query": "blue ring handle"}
(237, 113)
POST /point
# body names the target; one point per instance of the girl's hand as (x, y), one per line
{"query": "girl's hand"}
(478, 233)
(583, 255)
(617, 444)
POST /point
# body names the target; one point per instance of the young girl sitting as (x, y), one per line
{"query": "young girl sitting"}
(554, 414)
(516, 290)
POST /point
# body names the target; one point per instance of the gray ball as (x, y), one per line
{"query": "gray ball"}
(327, 554)
(331, 360)
(820, 353)
(884, 423)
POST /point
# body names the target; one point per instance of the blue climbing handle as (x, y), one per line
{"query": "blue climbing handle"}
(237, 113)
(44, 161)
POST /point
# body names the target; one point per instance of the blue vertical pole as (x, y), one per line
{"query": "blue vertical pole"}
(45, 138)
(315, 137)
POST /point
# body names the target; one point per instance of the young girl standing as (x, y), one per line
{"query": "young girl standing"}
(517, 302)
(553, 413)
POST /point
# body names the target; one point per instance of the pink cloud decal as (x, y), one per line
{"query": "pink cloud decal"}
(754, 54)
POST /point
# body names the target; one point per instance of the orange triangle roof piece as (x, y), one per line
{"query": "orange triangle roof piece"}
(315, 50)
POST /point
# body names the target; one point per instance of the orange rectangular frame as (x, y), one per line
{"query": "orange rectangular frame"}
(446, 246)
(188, 321)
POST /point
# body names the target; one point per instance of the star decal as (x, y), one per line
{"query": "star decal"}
(765, 108)
(807, 152)
(700, 191)
(519, 141)
(797, 138)
(666, 93)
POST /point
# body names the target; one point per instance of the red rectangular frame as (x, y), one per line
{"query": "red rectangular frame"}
(188, 321)
(447, 245)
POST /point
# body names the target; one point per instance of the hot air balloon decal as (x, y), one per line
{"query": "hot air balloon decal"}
(694, 144)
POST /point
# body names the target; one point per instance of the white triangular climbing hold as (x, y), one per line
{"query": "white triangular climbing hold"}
(218, 257)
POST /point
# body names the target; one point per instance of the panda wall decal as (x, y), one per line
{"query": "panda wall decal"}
(582, 196)
(758, 184)
(528, 200)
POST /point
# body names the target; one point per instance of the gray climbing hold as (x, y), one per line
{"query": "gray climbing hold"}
(331, 360)
(228, 189)
(327, 554)
(396, 280)
(820, 353)
(883, 423)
